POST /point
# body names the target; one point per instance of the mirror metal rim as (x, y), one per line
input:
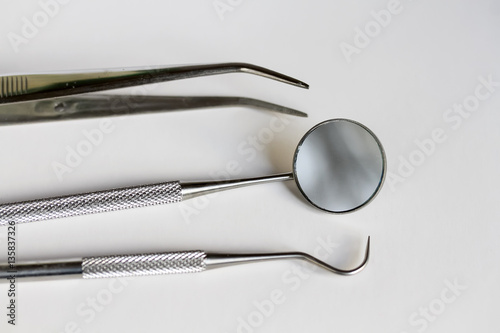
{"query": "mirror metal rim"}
(382, 152)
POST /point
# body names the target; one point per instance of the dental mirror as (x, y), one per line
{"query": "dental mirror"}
(339, 166)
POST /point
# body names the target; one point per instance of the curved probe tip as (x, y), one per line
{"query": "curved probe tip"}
(365, 260)
(352, 271)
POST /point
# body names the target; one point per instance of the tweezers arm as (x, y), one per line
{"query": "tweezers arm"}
(98, 105)
(21, 88)
(41, 86)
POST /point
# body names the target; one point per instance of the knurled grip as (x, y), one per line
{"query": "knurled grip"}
(143, 264)
(89, 203)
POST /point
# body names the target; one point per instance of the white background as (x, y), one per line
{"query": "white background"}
(435, 226)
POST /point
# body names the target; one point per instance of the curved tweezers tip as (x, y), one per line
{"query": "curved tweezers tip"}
(264, 72)
(44, 86)
(271, 107)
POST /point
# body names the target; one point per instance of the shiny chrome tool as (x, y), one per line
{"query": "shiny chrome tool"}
(339, 166)
(25, 91)
(160, 263)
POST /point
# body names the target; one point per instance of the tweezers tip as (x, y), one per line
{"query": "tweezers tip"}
(302, 85)
(297, 83)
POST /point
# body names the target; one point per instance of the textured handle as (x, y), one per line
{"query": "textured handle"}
(145, 264)
(13, 85)
(88, 203)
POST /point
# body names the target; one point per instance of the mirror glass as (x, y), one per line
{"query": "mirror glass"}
(339, 165)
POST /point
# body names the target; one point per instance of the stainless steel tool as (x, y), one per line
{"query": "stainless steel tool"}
(339, 166)
(91, 106)
(28, 98)
(159, 263)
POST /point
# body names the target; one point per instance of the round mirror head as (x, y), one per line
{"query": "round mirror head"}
(339, 165)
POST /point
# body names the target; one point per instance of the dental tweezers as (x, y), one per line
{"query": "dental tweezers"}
(44, 97)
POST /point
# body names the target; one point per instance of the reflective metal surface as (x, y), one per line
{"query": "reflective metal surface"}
(42, 269)
(90, 106)
(28, 87)
(165, 263)
(221, 260)
(90, 203)
(143, 264)
(339, 165)
(195, 189)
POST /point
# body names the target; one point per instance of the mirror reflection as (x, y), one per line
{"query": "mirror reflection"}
(339, 165)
